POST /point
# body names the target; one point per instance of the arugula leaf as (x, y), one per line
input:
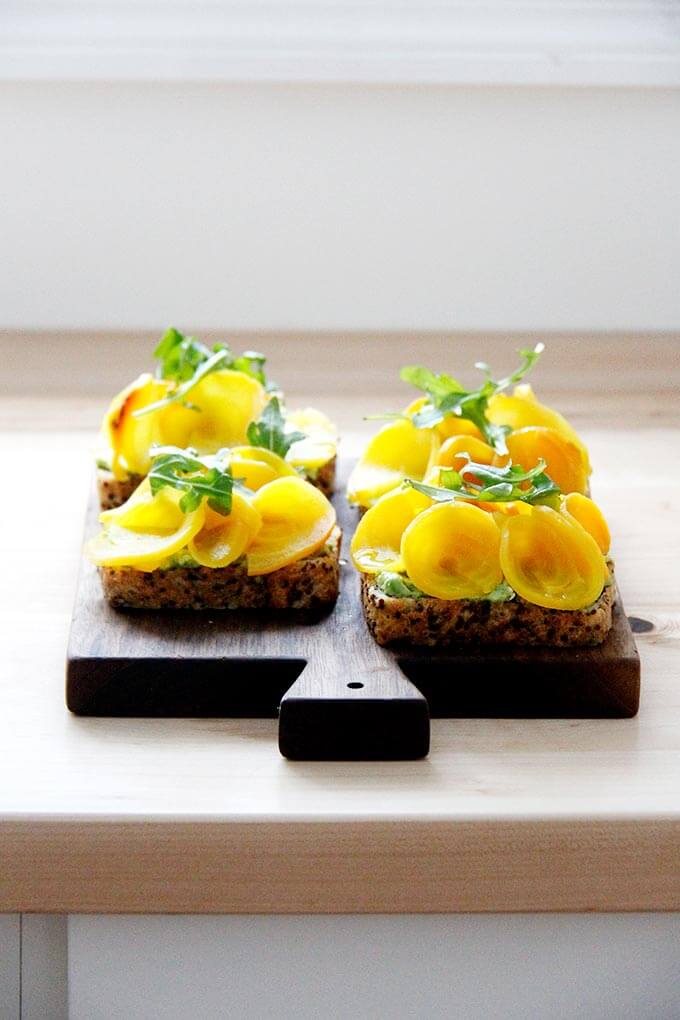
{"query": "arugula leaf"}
(446, 397)
(397, 585)
(250, 362)
(197, 478)
(179, 355)
(184, 360)
(438, 385)
(217, 360)
(269, 432)
(493, 485)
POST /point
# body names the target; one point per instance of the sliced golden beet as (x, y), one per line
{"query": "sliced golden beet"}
(376, 542)
(522, 409)
(458, 450)
(319, 444)
(451, 551)
(296, 521)
(563, 458)
(398, 451)
(143, 510)
(226, 402)
(224, 538)
(416, 405)
(268, 457)
(312, 422)
(256, 466)
(502, 511)
(130, 438)
(590, 517)
(311, 453)
(145, 533)
(454, 426)
(450, 426)
(551, 560)
(252, 473)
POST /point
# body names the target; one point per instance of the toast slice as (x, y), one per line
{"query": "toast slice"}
(114, 492)
(310, 583)
(436, 623)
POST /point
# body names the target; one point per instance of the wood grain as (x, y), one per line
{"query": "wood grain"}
(393, 866)
(203, 814)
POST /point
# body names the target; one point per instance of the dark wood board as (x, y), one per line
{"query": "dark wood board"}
(338, 694)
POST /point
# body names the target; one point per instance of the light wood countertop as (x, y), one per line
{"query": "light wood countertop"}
(205, 816)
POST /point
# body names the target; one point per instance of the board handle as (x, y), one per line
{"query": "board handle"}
(365, 713)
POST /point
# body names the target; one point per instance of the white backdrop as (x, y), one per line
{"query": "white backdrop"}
(339, 207)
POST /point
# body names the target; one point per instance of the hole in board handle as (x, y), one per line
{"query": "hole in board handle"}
(355, 685)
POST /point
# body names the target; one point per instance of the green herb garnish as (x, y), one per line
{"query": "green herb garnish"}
(493, 485)
(501, 593)
(179, 356)
(270, 431)
(197, 478)
(397, 585)
(446, 397)
(184, 360)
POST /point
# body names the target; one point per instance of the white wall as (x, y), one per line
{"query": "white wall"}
(313, 207)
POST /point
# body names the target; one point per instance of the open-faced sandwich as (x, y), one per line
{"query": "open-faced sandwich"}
(449, 424)
(478, 523)
(207, 400)
(239, 529)
(485, 554)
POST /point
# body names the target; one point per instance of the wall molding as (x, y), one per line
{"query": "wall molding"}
(498, 42)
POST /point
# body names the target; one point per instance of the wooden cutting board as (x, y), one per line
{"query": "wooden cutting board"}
(337, 693)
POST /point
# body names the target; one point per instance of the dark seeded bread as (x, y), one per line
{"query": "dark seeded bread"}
(308, 584)
(435, 622)
(325, 477)
(114, 492)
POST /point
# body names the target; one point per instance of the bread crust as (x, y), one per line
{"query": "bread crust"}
(114, 492)
(435, 622)
(311, 583)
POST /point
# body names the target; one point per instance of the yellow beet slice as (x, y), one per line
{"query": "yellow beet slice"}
(130, 438)
(256, 466)
(252, 473)
(551, 561)
(450, 426)
(590, 517)
(563, 458)
(145, 548)
(522, 409)
(415, 406)
(296, 521)
(311, 453)
(451, 551)
(454, 450)
(222, 539)
(227, 402)
(268, 457)
(399, 450)
(502, 511)
(453, 426)
(377, 540)
(314, 423)
(142, 510)
(319, 446)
